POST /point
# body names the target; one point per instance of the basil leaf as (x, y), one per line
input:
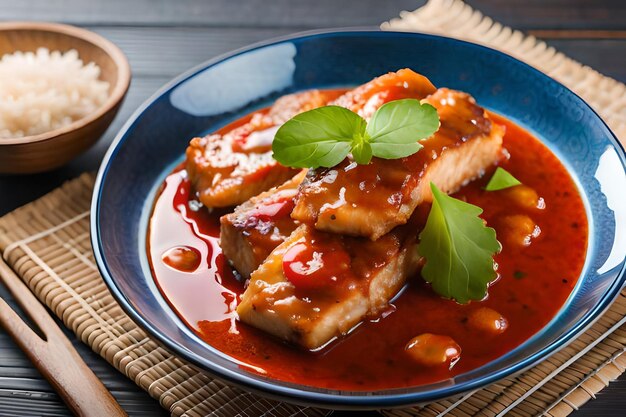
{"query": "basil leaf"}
(362, 151)
(319, 137)
(501, 179)
(395, 151)
(458, 249)
(401, 122)
(326, 135)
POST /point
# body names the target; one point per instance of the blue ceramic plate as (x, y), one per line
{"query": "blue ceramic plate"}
(223, 89)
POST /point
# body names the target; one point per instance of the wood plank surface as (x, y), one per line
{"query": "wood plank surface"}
(555, 14)
(216, 13)
(522, 14)
(165, 37)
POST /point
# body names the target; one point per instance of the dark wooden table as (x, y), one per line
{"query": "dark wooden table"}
(163, 38)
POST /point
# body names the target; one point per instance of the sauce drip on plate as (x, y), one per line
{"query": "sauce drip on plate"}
(182, 258)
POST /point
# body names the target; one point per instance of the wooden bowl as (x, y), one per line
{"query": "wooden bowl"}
(52, 149)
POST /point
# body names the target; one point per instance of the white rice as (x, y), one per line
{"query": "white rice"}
(45, 90)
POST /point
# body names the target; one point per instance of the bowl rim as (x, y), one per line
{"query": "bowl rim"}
(299, 393)
(113, 51)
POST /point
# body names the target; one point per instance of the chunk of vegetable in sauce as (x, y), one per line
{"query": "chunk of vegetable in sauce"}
(525, 196)
(279, 208)
(520, 229)
(430, 349)
(309, 267)
(488, 321)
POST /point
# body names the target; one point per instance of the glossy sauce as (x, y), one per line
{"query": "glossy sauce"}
(326, 269)
(268, 223)
(535, 280)
(339, 199)
(308, 268)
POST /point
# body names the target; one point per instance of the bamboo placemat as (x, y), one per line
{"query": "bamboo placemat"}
(47, 243)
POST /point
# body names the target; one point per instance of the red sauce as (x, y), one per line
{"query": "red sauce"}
(280, 207)
(535, 281)
(310, 269)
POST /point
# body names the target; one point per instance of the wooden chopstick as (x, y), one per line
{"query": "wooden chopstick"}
(54, 357)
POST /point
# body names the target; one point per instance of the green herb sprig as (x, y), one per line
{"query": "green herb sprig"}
(458, 249)
(501, 180)
(323, 137)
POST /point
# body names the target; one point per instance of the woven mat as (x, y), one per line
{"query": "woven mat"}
(47, 243)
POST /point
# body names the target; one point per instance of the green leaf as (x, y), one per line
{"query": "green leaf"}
(395, 151)
(326, 135)
(320, 137)
(458, 249)
(501, 179)
(398, 123)
(362, 151)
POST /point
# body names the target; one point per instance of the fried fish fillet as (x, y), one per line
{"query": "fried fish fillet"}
(250, 233)
(228, 169)
(367, 98)
(370, 200)
(369, 275)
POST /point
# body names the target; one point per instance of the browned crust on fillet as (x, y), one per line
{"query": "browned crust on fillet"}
(370, 200)
(228, 169)
(222, 178)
